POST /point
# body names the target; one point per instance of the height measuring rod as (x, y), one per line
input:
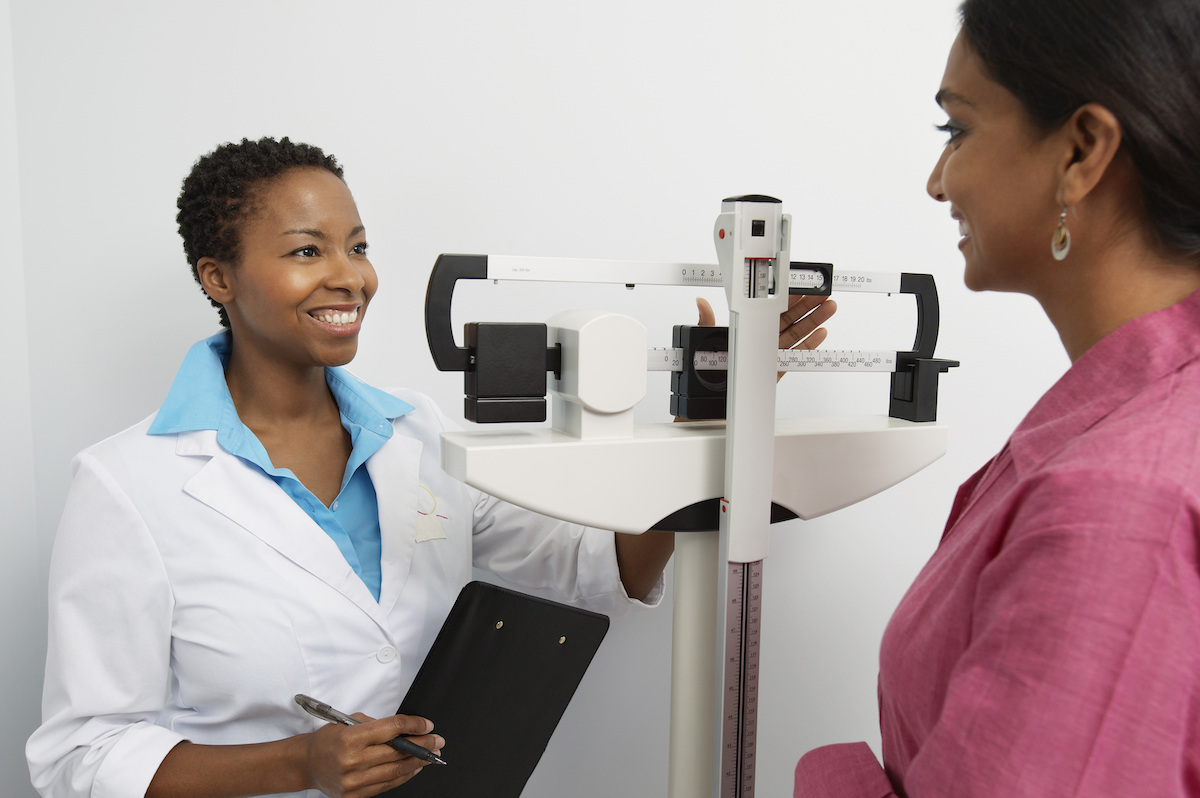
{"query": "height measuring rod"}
(753, 240)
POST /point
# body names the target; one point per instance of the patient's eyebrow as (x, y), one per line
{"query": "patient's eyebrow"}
(946, 96)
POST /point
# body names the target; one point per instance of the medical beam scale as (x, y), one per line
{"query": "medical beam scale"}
(722, 482)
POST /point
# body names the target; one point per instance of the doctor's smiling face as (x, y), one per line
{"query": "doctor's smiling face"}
(302, 282)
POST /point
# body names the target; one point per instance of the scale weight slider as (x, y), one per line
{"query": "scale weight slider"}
(699, 393)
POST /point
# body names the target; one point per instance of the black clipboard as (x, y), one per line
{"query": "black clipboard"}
(495, 684)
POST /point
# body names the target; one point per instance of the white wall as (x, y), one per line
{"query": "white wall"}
(22, 583)
(531, 127)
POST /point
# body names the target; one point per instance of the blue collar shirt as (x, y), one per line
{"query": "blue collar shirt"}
(199, 399)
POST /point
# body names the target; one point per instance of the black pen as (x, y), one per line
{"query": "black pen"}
(401, 744)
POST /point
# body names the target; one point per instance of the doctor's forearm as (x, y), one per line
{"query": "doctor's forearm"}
(641, 560)
(231, 771)
(347, 761)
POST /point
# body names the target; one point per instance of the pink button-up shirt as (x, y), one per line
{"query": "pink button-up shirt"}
(1051, 646)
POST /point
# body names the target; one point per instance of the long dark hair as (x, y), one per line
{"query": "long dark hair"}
(1140, 59)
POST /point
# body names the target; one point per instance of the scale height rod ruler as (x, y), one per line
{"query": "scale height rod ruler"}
(752, 236)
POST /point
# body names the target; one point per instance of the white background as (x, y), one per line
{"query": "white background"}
(605, 130)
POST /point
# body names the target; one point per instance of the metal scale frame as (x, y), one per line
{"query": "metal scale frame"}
(720, 484)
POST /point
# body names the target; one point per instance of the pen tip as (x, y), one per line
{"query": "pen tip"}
(437, 760)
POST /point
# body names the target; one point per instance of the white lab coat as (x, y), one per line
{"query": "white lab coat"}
(191, 598)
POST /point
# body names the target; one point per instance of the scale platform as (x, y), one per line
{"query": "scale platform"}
(820, 465)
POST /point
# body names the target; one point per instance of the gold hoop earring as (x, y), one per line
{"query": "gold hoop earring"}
(1060, 242)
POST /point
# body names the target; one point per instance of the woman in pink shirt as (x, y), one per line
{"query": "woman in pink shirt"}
(1051, 646)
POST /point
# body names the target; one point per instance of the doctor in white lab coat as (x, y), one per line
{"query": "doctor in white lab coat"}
(193, 598)
(279, 527)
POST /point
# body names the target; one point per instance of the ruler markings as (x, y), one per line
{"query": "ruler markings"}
(671, 359)
(740, 710)
(587, 270)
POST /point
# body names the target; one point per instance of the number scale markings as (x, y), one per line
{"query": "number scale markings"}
(740, 707)
(630, 273)
(813, 360)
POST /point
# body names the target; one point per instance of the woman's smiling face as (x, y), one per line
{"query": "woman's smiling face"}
(303, 281)
(998, 172)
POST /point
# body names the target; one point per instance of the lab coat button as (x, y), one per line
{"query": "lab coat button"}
(386, 654)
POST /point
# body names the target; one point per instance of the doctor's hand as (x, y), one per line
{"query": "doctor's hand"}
(799, 325)
(357, 762)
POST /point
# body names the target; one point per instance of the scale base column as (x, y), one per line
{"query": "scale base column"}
(693, 667)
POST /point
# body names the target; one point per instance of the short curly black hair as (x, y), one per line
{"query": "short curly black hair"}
(216, 198)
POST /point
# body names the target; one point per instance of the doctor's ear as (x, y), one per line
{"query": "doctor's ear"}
(215, 279)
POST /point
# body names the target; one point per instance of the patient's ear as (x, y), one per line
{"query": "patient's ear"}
(1096, 135)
